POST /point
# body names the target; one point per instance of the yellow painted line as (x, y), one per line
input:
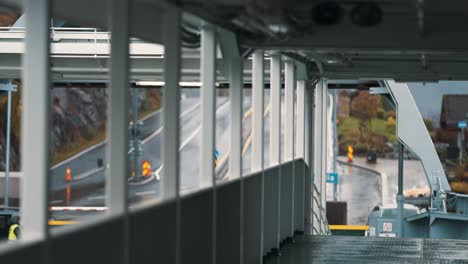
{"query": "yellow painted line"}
(349, 227)
(60, 223)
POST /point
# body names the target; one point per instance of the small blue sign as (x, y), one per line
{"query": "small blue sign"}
(461, 124)
(332, 177)
(216, 154)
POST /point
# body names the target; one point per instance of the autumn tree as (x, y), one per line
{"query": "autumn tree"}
(365, 108)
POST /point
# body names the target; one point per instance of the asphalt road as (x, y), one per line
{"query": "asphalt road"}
(90, 191)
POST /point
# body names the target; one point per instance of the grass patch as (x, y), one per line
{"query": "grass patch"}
(66, 153)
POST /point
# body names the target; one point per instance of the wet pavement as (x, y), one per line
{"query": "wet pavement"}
(360, 188)
(413, 176)
(343, 249)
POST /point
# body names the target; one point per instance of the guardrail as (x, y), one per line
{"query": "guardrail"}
(58, 34)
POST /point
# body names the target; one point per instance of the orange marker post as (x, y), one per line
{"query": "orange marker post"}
(68, 176)
(350, 153)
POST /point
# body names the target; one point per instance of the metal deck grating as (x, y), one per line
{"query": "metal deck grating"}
(342, 249)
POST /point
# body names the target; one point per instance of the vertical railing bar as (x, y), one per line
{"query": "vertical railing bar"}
(170, 182)
(257, 106)
(172, 52)
(35, 122)
(275, 129)
(258, 84)
(301, 132)
(235, 155)
(208, 121)
(116, 177)
(236, 89)
(208, 102)
(289, 76)
(324, 140)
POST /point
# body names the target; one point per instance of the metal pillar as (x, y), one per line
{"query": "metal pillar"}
(335, 142)
(257, 106)
(275, 127)
(208, 121)
(289, 86)
(35, 121)
(289, 83)
(137, 148)
(172, 53)
(317, 130)
(308, 158)
(301, 108)
(324, 153)
(116, 178)
(236, 89)
(9, 88)
(257, 125)
(275, 101)
(400, 197)
(208, 104)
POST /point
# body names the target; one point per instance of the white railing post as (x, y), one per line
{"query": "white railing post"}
(172, 52)
(35, 121)
(289, 85)
(208, 104)
(324, 140)
(275, 130)
(257, 106)
(275, 101)
(117, 174)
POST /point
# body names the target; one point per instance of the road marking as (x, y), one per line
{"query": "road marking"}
(88, 173)
(78, 208)
(145, 193)
(157, 132)
(192, 136)
(56, 201)
(99, 197)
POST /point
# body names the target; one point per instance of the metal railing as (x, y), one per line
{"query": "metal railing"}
(320, 222)
(58, 34)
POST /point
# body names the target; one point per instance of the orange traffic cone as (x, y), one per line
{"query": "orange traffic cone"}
(68, 176)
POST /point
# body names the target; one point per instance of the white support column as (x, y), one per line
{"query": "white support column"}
(289, 87)
(258, 84)
(275, 119)
(172, 53)
(308, 154)
(289, 83)
(318, 116)
(116, 177)
(236, 89)
(35, 121)
(208, 105)
(275, 129)
(257, 106)
(324, 140)
(300, 106)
